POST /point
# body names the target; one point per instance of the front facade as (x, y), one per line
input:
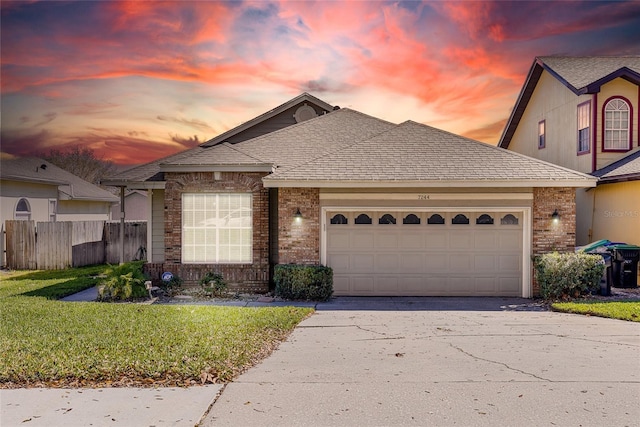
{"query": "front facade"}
(392, 209)
(583, 114)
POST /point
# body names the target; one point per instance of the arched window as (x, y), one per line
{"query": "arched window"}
(484, 219)
(387, 219)
(411, 219)
(509, 219)
(23, 210)
(363, 219)
(617, 124)
(339, 219)
(435, 219)
(460, 219)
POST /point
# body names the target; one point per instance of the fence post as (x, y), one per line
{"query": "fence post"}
(122, 225)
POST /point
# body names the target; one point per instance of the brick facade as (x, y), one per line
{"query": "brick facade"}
(252, 277)
(299, 242)
(550, 236)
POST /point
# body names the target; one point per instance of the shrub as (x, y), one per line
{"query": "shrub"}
(123, 282)
(568, 275)
(303, 282)
(213, 283)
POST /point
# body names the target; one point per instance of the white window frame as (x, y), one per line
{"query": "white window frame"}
(584, 127)
(617, 127)
(217, 228)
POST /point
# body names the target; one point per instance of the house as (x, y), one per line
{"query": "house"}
(34, 189)
(136, 206)
(394, 209)
(582, 113)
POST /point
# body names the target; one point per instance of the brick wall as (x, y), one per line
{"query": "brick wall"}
(299, 242)
(241, 277)
(550, 236)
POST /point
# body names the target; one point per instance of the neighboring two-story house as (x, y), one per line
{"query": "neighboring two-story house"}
(582, 113)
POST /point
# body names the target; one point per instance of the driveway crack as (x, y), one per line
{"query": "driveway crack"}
(499, 363)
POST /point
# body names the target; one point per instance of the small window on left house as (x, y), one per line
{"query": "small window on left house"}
(542, 135)
(53, 208)
(23, 210)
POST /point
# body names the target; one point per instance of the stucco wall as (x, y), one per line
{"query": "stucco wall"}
(617, 212)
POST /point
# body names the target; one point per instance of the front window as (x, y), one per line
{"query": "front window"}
(616, 125)
(23, 210)
(217, 228)
(584, 126)
(541, 135)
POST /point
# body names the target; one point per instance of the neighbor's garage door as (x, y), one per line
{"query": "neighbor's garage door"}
(425, 253)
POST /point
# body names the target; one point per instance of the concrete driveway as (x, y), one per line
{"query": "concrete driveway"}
(442, 361)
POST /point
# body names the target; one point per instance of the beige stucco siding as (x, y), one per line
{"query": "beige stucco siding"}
(617, 212)
(629, 91)
(554, 103)
(37, 195)
(78, 210)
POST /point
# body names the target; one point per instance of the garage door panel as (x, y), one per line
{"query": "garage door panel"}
(387, 263)
(484, 262)
(412, 263)
(435, 239)
(510, 263)
(412, 241)
(362, 239)
(426, 259)
(386, 240)
(460, 239)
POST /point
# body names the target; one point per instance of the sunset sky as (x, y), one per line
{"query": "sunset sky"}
(135, 81)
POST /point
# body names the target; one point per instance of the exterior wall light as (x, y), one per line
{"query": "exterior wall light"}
(298, 216)
(555, 216)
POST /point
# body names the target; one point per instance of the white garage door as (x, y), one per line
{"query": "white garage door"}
(438, 253)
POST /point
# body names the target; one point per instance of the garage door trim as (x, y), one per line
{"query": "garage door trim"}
(524, 211)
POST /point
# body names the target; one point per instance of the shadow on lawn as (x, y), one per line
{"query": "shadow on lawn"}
(79, 279)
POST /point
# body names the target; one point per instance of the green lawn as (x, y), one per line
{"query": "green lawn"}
(623, 310)
(54, 343)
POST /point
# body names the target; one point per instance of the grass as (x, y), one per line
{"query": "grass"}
(623, 310)
(59, 344)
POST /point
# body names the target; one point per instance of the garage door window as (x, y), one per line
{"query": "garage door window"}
(339, 219)
(509, 219)
(484, 219)
(363, 219)
(460, 219)
(411, 219)
(387, 219)
(435, 219)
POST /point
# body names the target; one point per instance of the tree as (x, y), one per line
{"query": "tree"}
(81, 162)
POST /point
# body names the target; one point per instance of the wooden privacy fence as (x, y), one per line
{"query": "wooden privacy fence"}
(58, 245)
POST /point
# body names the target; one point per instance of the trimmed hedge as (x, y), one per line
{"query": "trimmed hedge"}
(568, 275)
(303, 282)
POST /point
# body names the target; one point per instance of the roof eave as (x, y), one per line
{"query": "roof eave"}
(137, 185)
(619, 178)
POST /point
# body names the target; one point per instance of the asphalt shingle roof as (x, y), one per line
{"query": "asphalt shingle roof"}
(625, 169)
(29, 169)
(418, 153)
(580, 72)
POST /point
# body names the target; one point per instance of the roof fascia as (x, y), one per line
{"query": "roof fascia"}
(521, 103)
(624, 73)
(266, 116)
(138, 185)
(577, 183)
(620, 178)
